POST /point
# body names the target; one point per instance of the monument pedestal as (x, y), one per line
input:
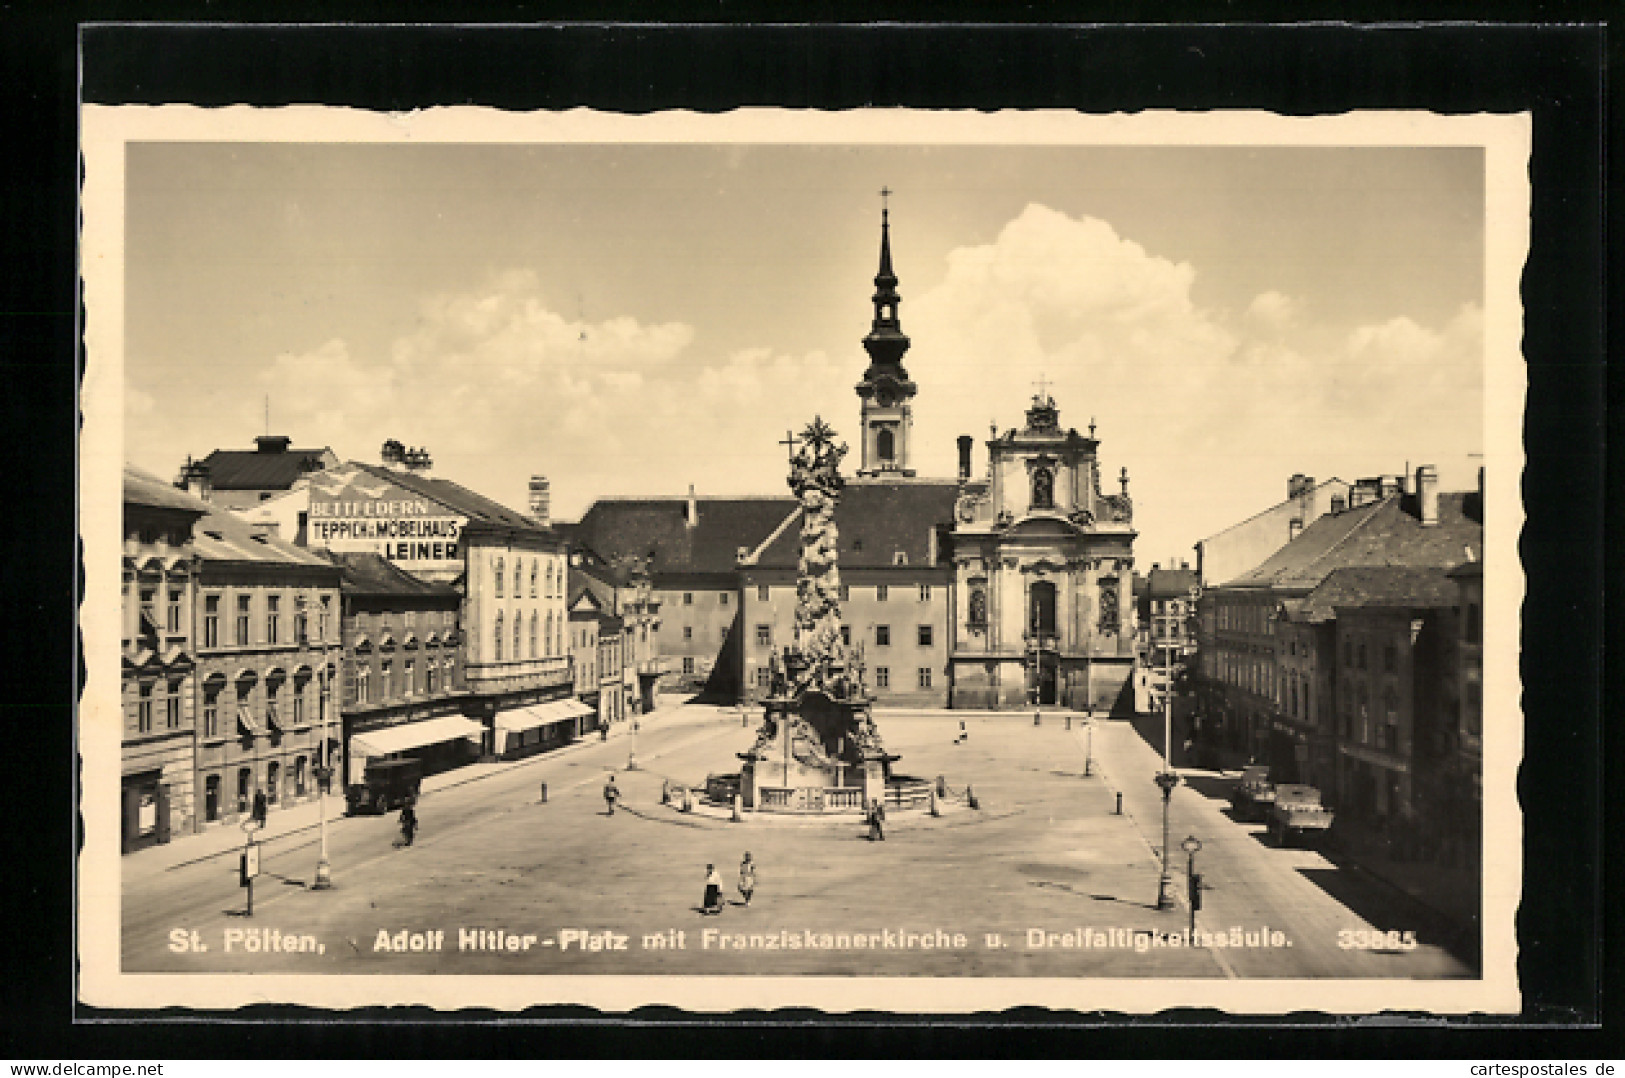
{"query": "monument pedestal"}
(813, 755)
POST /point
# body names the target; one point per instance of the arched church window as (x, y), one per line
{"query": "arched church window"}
(1043, 489)
(885, 445)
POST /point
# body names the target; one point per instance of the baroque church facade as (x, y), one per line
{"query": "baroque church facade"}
(1005, 590)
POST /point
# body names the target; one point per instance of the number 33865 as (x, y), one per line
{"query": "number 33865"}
(1361, 939)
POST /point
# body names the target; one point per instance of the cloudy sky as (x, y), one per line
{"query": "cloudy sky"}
(632, 319)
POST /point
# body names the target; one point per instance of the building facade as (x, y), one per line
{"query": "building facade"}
(1270, 634)
(157, 774)
(1043, 598)
(269, 653)
(402, 668)
(510, 570)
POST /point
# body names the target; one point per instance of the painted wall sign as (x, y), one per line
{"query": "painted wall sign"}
(354, 510)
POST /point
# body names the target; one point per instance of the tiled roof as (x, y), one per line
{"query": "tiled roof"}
(635, 527)
(454, 496)
(225, 536)
(1376, 586)
(1383, 533)
(143, 488)
(372, 574)
(875, 520)
(1171, 583)
(249, 469)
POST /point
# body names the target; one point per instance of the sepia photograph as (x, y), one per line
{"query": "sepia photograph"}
(877, 560)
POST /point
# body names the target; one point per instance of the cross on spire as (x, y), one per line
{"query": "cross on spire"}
(1042, 384)
(789, 442)
(885, 193)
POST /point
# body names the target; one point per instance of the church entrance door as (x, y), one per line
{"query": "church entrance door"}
(1045, 680)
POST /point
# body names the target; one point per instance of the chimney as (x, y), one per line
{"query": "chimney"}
(1388, 485)
(393, 455)
(691, 516)
(1338, 503)
(195, 479)
(541, 499)
(1298, 484)
(272, 443)
(417, 461)
(1427, 495)
(964, 457)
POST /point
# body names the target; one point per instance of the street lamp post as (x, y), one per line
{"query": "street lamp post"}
(1166, 781)
(324, 870)
(1193, 882)
(1089, 754)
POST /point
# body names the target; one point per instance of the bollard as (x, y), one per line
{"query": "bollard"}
(736, 817)
(544, 793)
(1120, 802)
(665, 791)
(688, 802)
(935, 810)
(1036, 717)
(942, 786)
(1069, 722)
(631, 761)
(970, 797)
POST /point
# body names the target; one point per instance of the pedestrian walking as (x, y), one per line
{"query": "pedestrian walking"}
(713, 891)
(612, 794)
(409, 824)
(877, 821)
(747, 877)
(259, 807)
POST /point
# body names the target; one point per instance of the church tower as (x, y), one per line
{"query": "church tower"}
(885, 392)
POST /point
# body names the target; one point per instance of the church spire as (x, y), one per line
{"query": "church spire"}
(885, 342)
(885, 391)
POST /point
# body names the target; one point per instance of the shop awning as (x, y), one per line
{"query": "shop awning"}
(529, 718)
(411, 735)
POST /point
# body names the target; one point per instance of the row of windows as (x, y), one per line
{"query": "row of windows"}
(430, 619)
(764, 594)
(550, 635)
(882, 676)
(309, 622)
(437, 676)
(1249, 617)
(554, 577)
(922, 634)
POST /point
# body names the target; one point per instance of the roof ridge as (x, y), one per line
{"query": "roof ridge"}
(754, 555)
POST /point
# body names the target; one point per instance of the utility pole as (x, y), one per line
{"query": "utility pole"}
(324, 870)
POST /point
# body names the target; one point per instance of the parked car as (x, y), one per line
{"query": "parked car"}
(1254, 793)
(1298, 812)
(385, 785)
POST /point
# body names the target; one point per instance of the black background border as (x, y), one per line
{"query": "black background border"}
(1557, 72)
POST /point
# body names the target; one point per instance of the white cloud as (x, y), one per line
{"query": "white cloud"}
(1194, 402)
(1272, 311)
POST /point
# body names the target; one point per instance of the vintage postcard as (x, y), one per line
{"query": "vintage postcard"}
(871, 561)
